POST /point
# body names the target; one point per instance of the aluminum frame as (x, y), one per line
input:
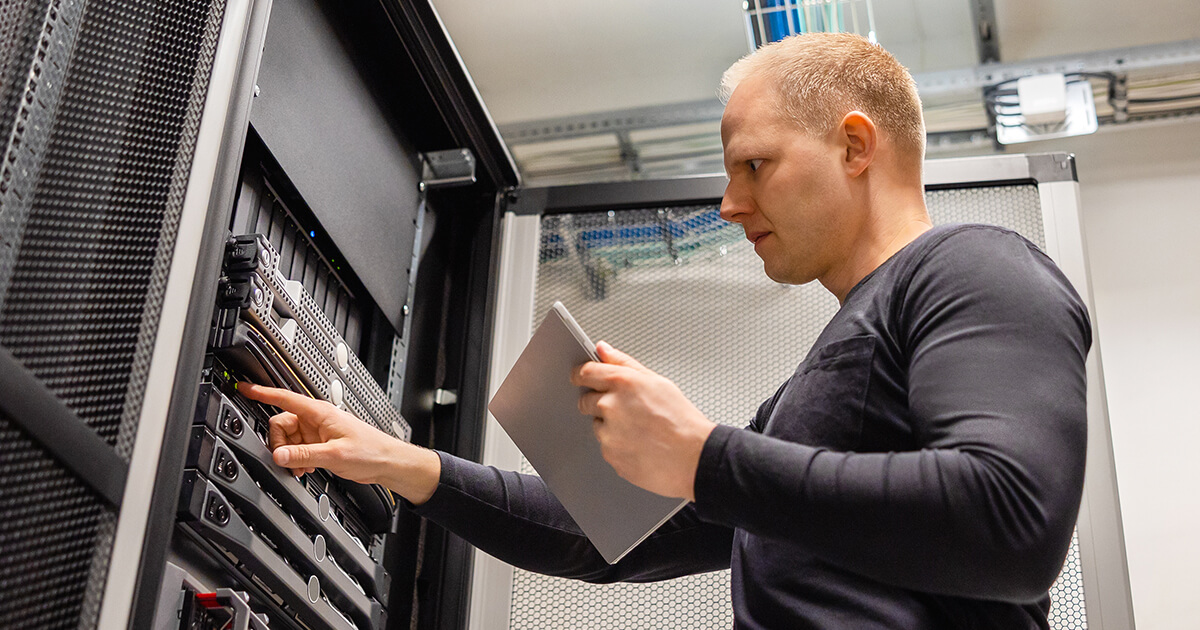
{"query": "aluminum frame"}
(1108, 600)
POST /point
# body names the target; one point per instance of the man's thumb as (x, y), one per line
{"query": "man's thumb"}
(609, 354)
(301, 456)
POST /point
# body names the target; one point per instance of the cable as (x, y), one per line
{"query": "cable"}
(1163, 99)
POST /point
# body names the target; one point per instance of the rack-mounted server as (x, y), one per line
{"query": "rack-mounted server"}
(309, 548)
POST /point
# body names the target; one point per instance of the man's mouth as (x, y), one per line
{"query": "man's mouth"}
(754, 237)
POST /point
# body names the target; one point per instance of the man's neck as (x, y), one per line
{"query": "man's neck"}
(887, 232)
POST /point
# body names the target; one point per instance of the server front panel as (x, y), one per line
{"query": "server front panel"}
(254, 544)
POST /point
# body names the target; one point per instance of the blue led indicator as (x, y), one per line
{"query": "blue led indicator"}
(312, 233)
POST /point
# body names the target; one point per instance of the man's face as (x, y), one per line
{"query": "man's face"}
(786, 188)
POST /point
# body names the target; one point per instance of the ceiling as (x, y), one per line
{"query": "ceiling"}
(534, 60)
(1030, 29)
(601, 91)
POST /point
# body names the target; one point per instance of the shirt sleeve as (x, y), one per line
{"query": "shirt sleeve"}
(515, 518)
(995, 339)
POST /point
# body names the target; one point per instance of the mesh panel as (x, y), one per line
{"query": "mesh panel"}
(18, 36)
(47, 534)
(1017, 208)
(101, 107)
(695, 601)
(1067, 611)
(683, 291)
(86, 285)
(106, 532)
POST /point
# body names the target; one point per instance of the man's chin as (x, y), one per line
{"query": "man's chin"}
(779, 275)
(786, 276)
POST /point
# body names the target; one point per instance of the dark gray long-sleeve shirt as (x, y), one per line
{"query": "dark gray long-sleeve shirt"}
(922, 468)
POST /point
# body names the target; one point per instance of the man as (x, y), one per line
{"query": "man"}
(923, 466)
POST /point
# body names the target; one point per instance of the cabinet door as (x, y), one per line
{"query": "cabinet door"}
(651, 268)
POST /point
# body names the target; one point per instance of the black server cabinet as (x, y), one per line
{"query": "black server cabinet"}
(100, 107)
(367, 157)
(143, 140)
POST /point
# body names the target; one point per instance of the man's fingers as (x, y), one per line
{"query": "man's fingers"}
(596, 376)
(283, 429)
(612, 356)
(304, 456)
(282, 398)
(589, 404)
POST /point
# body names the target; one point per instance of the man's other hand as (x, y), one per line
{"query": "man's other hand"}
(649, 432)
(312, 434)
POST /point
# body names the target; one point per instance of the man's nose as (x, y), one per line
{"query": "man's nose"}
(734, 204)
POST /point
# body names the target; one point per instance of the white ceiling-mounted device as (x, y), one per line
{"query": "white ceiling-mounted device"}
(1043, 107)
(1043, 99)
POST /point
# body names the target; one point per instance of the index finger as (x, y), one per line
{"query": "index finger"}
(286, 400)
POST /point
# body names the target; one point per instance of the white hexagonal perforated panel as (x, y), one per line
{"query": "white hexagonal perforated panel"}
(683, 291)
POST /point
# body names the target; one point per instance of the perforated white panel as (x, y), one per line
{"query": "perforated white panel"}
(684, 292)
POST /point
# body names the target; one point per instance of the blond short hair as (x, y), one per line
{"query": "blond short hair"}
(821, 77)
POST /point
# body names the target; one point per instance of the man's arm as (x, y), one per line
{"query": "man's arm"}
(997, 397)
(510, 516)
(515, 518)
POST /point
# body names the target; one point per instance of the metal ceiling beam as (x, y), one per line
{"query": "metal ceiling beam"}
(618, 121)
(987, 44)
(1115, 60)
(1119, 60)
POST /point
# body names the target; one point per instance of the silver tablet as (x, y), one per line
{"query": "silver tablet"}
(539, 408)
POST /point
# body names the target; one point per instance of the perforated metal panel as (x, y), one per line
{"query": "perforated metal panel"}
(1067, 609)
(17, 43)
(1017, 208)
(47, 536)
(101, 101)
(85, 286)
(684, 292)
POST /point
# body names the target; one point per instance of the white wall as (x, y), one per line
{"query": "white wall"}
(1141, 199)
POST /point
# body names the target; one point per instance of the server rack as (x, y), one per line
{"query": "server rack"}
(147, 143)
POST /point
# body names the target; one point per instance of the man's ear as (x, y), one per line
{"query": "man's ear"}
(860, 138)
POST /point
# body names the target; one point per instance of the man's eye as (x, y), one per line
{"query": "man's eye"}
(754, 164)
